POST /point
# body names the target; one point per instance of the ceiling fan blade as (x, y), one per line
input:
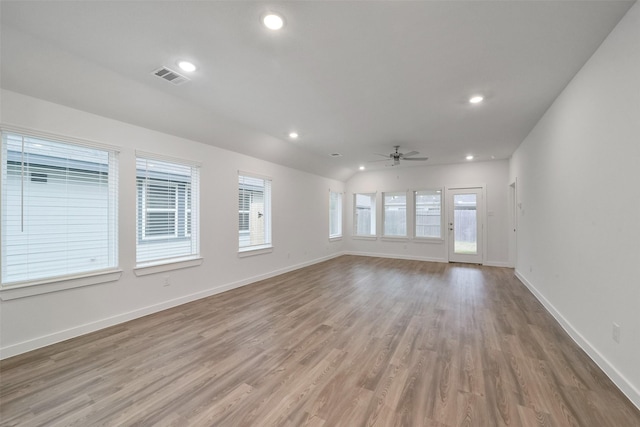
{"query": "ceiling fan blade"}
(410, 153)
(383, 155)
(376, 161)
(416, 158)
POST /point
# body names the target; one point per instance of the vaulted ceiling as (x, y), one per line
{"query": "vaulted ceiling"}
(351, 77)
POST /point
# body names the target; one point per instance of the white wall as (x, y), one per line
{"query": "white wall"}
(579, 223)
(300, 230)
(494, 175)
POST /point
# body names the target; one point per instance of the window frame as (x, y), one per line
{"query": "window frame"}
(384, 216)
(440, 192)
(145, 262)
(373, 224)
(338, 214)
(267, 194)
(55, 282)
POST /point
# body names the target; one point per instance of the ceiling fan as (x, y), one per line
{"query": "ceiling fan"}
(396, 156)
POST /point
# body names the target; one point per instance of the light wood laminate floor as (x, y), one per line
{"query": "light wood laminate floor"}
(353, 341)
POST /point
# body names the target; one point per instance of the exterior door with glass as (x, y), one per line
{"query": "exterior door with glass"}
(465, 224)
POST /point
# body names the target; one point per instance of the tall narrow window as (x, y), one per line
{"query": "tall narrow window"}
(428, 213)
(395, 214)
(364, 208)
(335, 215)
(167, 222)
(59, 209)
(254, 212)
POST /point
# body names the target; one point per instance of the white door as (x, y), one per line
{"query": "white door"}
(465, 224)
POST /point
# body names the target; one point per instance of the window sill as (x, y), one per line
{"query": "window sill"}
(153, 268)
(335, 238)
(428, 240)
(28, 289)
(364, 237)
(395, 238)
(258, 250)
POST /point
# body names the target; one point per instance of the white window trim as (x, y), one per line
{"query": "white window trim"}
(427, 240)
(337, 236)
(395, 238)
(363, 237)
(423, 239)
(246, 251)
(162, 266)
(29, 288)
(255, 250)
(404, 236)
(177, 262)
(54, 284)
(374, 236)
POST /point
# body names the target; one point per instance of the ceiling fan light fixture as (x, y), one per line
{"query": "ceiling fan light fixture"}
(476, 99)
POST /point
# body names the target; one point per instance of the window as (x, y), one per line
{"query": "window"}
(364, 214)
(167, 223)
(335, 215)
(254, 212)
(395, 214)
(428, 214)
(59, 209)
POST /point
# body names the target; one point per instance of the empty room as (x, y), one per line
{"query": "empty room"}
(322, 213)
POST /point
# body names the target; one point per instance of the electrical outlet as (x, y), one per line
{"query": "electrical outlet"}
(165, 281)
(615, 334)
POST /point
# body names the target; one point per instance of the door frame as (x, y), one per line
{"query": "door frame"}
(482, 218)
(513, 223)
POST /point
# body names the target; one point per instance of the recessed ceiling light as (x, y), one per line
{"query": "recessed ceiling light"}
(293, 135)
(469, 157)
(186, 66)
(361, 168)
(273, 21)
(476, 99)
(335, 155)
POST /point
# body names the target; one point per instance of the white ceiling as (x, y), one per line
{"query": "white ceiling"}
(354, 77)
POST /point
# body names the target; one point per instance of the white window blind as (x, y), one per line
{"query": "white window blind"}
(364, 208)
(395, 214)
(254, 212)
(428, 213)
(335, 214)
(167, 221)
(59, 209)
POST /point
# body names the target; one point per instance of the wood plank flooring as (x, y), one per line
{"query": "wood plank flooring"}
(354, 341)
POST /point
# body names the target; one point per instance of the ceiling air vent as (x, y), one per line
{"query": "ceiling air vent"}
(170, 76)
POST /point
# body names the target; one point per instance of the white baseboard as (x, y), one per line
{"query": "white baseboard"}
(625, 386)
(497, 264)
(59, 336)
(395, 256)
